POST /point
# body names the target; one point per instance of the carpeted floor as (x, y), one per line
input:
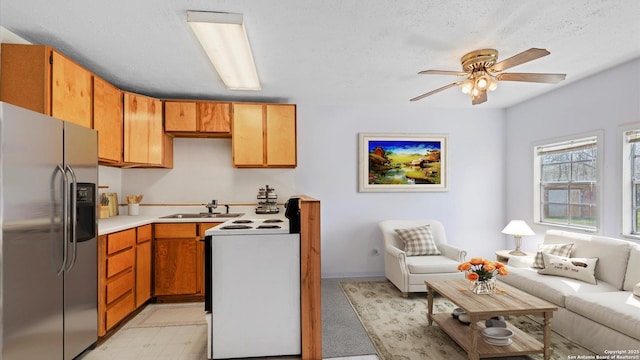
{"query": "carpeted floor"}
(342, 332)
(399, 330)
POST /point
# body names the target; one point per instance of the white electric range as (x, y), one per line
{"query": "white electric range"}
(253, 291)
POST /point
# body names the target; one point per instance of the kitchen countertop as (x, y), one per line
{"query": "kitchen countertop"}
(153, 216)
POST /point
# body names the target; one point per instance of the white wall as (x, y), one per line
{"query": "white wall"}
(203, 171)
(472, 210)
(602, 102)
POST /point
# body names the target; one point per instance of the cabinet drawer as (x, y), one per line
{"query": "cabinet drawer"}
(144, 233)
(119, 286)
(119, 311)
(119, 262)
(170, 231)
(120, 240)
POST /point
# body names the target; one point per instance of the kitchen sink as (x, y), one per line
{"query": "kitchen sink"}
(201, 215)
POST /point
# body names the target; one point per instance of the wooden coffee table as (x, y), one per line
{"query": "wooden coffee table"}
(508, 301)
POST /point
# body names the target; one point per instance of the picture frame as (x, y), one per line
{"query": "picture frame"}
(403, 162)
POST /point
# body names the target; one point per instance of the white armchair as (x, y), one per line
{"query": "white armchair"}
(408, 273)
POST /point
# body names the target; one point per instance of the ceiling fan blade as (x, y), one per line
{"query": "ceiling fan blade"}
(523, 57)
(532, 77)
(442, 72)
(435, 91)
(480, 98)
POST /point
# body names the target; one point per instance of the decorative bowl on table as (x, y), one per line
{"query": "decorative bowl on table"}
(457, 312)
(497, 335)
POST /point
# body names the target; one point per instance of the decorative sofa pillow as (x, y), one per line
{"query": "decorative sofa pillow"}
(636, 290)
(582, 269)
(553, 249)
(418, 241)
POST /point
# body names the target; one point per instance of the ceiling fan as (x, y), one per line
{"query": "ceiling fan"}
(483, 72)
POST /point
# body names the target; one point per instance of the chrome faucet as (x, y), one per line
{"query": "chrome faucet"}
(212, 205)
(227, 208)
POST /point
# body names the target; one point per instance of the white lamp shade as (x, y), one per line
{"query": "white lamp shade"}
(518, 228)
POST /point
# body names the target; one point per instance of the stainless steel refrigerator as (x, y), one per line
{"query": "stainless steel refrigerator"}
(48, 257)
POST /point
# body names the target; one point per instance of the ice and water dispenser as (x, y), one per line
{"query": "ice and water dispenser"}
(85, 211)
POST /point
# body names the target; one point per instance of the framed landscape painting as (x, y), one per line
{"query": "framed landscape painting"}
(402, 162)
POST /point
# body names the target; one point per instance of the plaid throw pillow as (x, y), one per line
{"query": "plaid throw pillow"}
(418, 241)
(554, 249)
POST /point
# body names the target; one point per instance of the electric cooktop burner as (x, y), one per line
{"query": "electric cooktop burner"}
(269, 221)
(268, 226)
(235, 227)
(242, 222)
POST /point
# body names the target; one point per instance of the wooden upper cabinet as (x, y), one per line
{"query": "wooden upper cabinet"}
(197, 118)
(264, 135)
(214, 117)
(180, 116)
(281, 135)
(71, 91)
(107, 120)
(145, 143)
(41, 79)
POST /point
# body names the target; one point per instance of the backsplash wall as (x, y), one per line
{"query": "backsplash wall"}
(203, 171)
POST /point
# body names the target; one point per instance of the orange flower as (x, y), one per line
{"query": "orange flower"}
(477, 261)
(473, 276)
(503, 271)
(464, 266)
(489, 267)
(499, 265)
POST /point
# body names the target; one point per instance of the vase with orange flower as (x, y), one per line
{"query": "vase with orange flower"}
(482, 274)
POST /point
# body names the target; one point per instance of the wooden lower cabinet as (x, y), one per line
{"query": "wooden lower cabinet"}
(178, 260)
(175, 259)
(124, 275)
(143, 265)
(116, 278)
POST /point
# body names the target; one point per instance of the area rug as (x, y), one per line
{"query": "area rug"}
(170, 315)
(398, 326)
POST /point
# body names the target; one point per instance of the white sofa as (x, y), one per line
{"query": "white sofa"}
(601, 317)
(408, 273)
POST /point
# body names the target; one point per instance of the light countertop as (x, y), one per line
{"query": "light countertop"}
(153, 216)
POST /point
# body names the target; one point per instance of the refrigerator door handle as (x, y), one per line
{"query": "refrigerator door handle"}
(72, 235)
(59, 169)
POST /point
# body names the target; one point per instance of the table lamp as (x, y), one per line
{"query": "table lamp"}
(518, 228)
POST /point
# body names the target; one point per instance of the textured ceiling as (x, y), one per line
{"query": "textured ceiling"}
(334, 51)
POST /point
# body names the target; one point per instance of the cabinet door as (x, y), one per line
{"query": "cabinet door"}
(71, 91)
(143, 273)
(214, 117)
(136, 128)
(175, 266)
(180, 116)
(156, 132)
(281, 135)
(144, 138)
(247, 139)
(107, 120)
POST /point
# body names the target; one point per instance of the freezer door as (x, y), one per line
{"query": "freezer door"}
(81, 276)
(31, 256)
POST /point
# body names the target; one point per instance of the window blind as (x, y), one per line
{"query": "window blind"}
(577, 144)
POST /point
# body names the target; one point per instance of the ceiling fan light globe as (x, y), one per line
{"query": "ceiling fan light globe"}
(482, 83)
(493, 85)
(475, 92)
(466, 86)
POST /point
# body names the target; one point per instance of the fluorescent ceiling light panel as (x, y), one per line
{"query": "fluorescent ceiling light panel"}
(225, 41)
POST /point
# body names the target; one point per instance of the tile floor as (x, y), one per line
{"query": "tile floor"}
(137, 341)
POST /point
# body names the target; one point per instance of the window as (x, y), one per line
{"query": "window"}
(631, 183)
(566, 178)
